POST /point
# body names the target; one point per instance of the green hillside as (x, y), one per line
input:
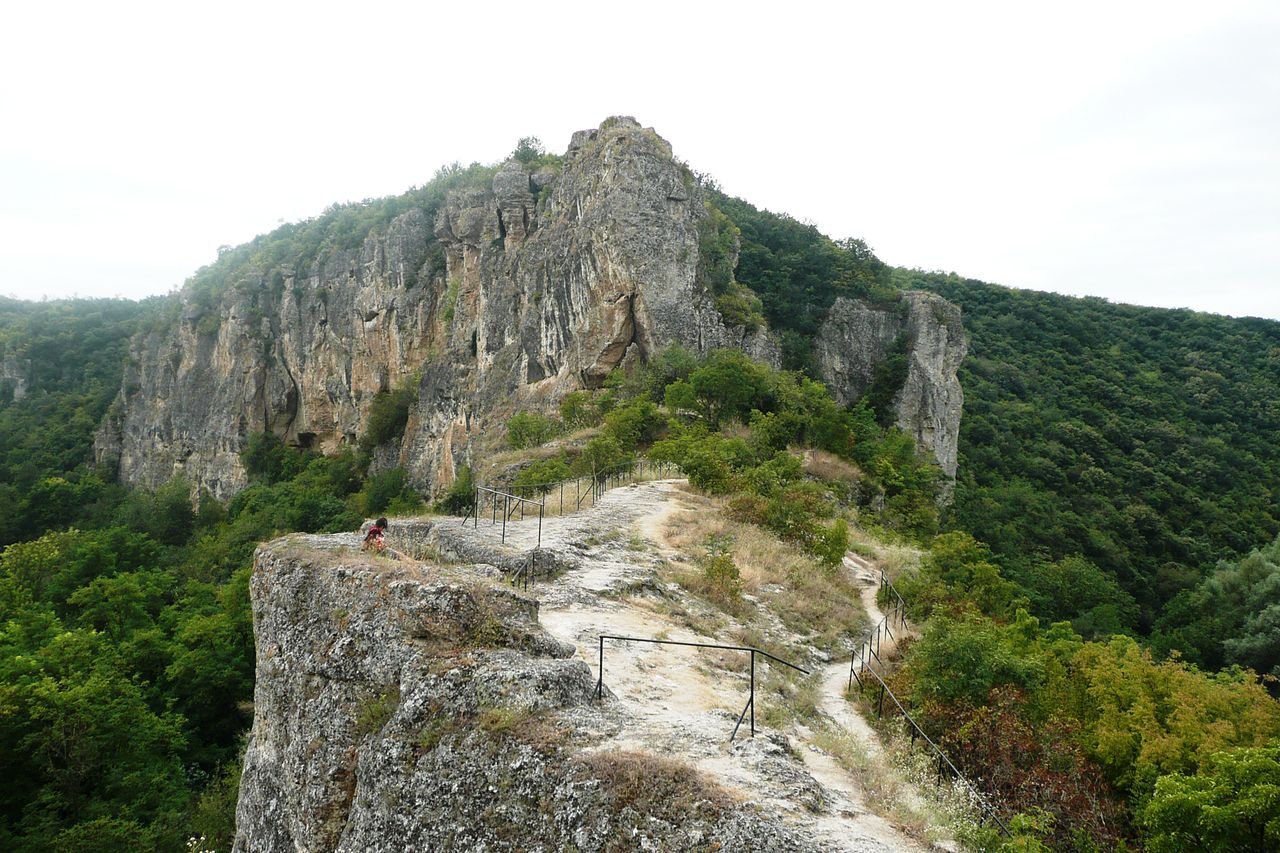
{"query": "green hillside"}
(1142, 439)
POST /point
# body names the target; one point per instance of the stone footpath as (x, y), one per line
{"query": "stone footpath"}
(667, 700)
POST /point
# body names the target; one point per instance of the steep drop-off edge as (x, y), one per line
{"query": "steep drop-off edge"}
(404, 707)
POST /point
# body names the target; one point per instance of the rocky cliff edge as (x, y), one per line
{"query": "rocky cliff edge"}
(401, 707)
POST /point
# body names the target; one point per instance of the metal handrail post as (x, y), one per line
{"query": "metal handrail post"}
(600, 679)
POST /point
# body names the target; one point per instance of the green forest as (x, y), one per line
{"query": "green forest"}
(1137, 442)
(1093, 607)
(126, 639)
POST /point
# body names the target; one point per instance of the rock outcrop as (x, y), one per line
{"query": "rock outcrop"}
(401, 708)
(548, 282)
(297, 354)
(508, 295)
(14, 375)
(923, 330)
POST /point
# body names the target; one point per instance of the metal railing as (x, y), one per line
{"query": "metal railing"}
(944, 763)
(751, 702)
(503, 505)
(860, 666)
(510, 503)
(555, 495)
(523, 574)
(869, 647)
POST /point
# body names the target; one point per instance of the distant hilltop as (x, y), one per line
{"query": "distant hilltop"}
(489, 290)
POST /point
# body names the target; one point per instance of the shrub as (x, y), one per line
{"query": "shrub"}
(461, 494)
(529, 429)
(388, 487)
(578, 410)
(602, 453)
(540, 475)
(750, 509)
(719, 568)
(633, 423)
(389, 415)
(830, 543)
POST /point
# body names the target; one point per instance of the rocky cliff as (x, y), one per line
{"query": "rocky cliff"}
(404, 707)
(923, 333)
(509, 294)
(14, 373)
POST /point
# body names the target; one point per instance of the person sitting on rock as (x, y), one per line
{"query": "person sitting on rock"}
(375, 539)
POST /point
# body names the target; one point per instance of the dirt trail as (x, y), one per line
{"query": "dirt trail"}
(835, 676)
(683, 702)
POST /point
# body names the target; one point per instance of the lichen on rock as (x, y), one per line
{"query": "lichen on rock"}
(400, 708)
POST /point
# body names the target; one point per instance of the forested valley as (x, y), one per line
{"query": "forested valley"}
(1094, 607)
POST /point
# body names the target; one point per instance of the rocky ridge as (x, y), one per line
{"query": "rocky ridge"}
(417, 705)
(507, 296)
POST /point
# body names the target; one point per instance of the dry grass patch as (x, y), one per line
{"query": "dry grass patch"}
(878, 781)
(655, 786)
(898, 560)
(828, 466)
(821, 604)
(786, 696)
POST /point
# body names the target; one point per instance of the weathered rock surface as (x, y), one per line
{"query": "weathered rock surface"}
(549, 282)
(856, 339)
(297, 354)
(14, 375)
(400, 710)
(508, 296)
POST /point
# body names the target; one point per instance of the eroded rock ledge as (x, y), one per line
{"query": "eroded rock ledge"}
(400, 708)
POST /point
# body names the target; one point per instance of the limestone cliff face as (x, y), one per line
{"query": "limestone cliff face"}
(398, 707)
(14, 374)
(857, 339)
(506, 296)
(548, 296)
(297, 354)
(550, 281)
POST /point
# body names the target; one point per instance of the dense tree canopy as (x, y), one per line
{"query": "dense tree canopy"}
(788, 269)
(1141, 440)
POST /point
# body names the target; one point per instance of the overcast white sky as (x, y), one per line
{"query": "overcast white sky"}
(1129, 150)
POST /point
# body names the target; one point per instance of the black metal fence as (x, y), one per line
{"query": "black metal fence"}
(869, 646)
(751, 702)
(589, 488)
(862, 671)
(502, 505)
